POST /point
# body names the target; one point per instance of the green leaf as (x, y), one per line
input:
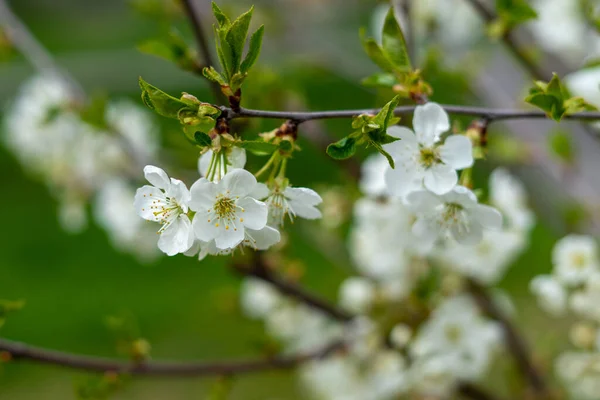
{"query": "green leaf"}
(514, 12)
(253, 49)
(202, 139)
(236, 38)
(561, 145)
(258, 147)
(162, 103)
(286, 146)
(394, 44)
(386, 113)
(223, 50)
(385, 154)
(380, 80)
(342, 149)
(220, 16)
(172, 48)
(211, 74)
(94, 112)
(375, 53)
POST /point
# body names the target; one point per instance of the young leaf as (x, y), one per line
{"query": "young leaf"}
(211, 74)
(236, 38)
(385, 154)
(381, 79)
(386, 113)
(342, 149)
(375, 52)
(394, 44)
(253, 50)
(202, 139)
(162, 103)
(514, 12)
(561, 145)
(220, 16)
(258, 147)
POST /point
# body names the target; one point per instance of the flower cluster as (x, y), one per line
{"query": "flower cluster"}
(222, 210)
(82, 162)
(574, 285)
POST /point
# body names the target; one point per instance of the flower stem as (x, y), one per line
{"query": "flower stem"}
(267, 165)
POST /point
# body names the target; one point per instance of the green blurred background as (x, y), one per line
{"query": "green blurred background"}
(186, 309)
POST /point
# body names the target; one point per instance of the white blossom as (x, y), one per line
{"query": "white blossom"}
(422, 160)
(400, 335)
(586, 300)
(575, 259)
(288, 201)
(372, 177)
(580, 372)
(166, 202)
(357, 294)
(224, 209)
(551, 295)
(510, 197)
(258, 298)
(456, 213)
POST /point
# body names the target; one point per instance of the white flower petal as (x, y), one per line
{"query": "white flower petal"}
(260, 192)
(180, 192)
(178, 237)
(303, 195)
(488, 217)
(236, 157)
(143, 201)
(205, 228)
(422, 201)
(262, 239)
(407, 148)
(204, 162)
(202, 195)
(429, 121)
(239, 182)
(469, 235)
(457, 152)
(425, 230)
(304, 210)
(229, 238)
(440, 179)
(253, 214)
(156, 176)
(403, 180)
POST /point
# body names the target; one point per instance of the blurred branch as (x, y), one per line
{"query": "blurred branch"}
(490, 114)
(33, 51)
(196, 23)
(512, 43)
(516, 344)
(22, 351)
(260, 270)
(470, 391)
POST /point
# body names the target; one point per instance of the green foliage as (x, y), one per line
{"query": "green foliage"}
(98, 387)
(202, 139)
(510, 14)
(230, 41)
(555, 100)
(591, 12)
(342, 149)
(172, 48)
(158, 9)
(561, 145)
(195, 116)
(94, 113)
(371, 129)
(258, 147)
(9, 306)
(394, 44)
(7, 50)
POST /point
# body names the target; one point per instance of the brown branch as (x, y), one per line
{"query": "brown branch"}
(260, 270)
(22, 351)
(490, 114)
(470, 391)
(196, 22)
(516, 344)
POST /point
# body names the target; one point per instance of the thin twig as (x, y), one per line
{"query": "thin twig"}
(34, 51)
(260, 270)
(471, 391)
(516, 344)
(22, 351)
(196, 22)
(490, 114)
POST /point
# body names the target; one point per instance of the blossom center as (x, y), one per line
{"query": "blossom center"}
(453, 333)
(429, 157)
(578, 260)
(452, 212)
(166, 211)
(280, 207)
(225, 207)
